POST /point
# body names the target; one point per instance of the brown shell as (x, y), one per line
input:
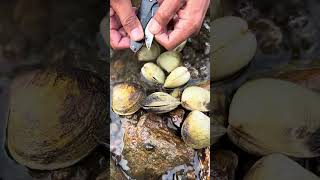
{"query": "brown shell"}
(126, 98)
(53, 117)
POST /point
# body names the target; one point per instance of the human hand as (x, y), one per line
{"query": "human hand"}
(187, 17)
(124, 24)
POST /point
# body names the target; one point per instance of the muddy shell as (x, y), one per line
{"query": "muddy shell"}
(58, 128)
(127, 98)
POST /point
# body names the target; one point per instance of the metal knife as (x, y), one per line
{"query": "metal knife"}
(146, 11)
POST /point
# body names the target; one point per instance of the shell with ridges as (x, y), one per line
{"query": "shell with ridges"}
(160, 102)
(53, 117)
(126, 98)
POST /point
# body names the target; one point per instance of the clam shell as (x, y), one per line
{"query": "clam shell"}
(127, 98)
(169, 60)
(160, 102)
(275, 116)
(195, 130)
(196, 98)
(278, 167)
(145, 54)
(180, 47)
(177, 77)
(153, 73)
(234, 47)
(53, 117)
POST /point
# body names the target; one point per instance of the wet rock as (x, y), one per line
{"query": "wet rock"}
(112, 173)
(269, 35)
(168, 149)
(224, 164)
(176, 117)
(204, 161)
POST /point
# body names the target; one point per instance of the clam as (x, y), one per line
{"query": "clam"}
(169, 60)
(180, 47)
(145, 54)
(275, 116)
(196, 98)
(160, 102)
(127, 98)
(153, 73)
(195, 130)
(278, 167)
(234, 46)
(53, 117)
(177, 77)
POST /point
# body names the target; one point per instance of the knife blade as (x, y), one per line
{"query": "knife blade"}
(146, 11)
(149, 36)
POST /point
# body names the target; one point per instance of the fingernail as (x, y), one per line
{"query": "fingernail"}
(136, 34)
(154, 27)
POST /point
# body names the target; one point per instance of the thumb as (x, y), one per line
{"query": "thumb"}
(165, 13)
(128, 18)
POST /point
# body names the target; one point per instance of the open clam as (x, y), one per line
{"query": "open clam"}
(53, 117)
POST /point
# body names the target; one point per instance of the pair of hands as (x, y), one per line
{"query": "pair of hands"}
(186, 17)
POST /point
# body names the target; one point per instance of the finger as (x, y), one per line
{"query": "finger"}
(172, 39)
(165, 13)
(111, 12)
(115, 22)
(117, 41)
(122, 32)
(128, 18)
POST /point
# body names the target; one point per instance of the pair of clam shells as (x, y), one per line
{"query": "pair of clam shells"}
(169, 61)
